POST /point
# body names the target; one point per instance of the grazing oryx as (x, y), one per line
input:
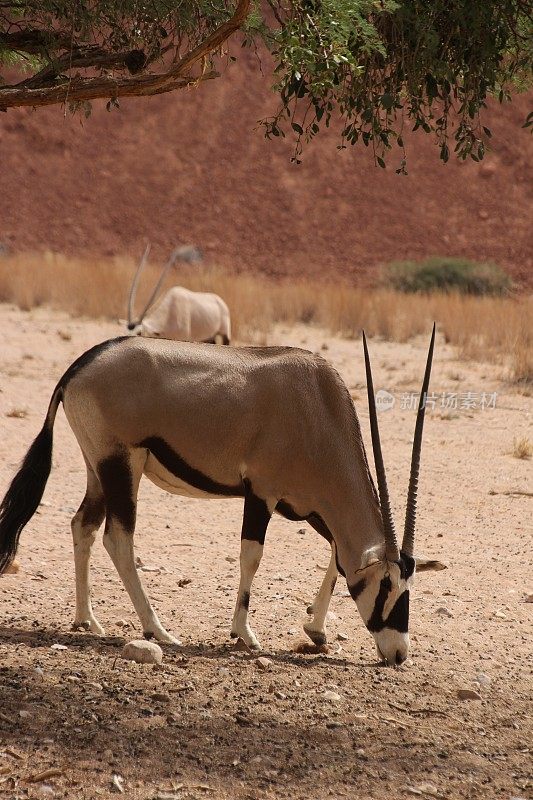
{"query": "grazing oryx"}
(181, 314)
(274, 425)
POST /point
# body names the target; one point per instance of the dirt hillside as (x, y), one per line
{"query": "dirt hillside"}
(189, 167)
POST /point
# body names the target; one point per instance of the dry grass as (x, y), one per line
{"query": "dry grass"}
(522, 448)
(498, 329)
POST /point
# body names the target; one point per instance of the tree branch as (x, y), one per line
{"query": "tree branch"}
(81, 89)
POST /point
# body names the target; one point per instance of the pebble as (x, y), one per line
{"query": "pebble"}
(161, 697)
(263, 663)
(529, 598)
(468, 694)
(58, 647)
(482, 679)
(280, 695)
(500, 615)
(301, 531)
(332, 697)
(342, 637)
(24, 714)
(142, 652)
(445, 612)
(242, 647)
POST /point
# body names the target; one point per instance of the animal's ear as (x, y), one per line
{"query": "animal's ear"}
(372, 556)
(424, 564)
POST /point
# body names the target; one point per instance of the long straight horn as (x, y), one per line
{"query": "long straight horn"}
(391, 545)
(158, 285)
(408, 543)
(133, 290)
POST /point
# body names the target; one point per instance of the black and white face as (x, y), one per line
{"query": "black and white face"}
(382, 597)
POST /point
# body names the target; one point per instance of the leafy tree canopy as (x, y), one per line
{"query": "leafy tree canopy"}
(378, 64)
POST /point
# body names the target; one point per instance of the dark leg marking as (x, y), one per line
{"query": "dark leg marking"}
(225, 339)
(256, 516)
(92, 511)
(333, 584)
(175, 464)
(245, 600)
(115, 476)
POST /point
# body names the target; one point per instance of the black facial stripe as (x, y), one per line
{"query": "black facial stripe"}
(357, 588)
(398, 618)
(375, 623)
(407, 565)
(175, 464)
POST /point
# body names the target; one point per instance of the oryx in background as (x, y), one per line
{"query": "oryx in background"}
(181, 314)
(274, 425)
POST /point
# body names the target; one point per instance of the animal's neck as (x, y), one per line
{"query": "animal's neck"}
(354, 518)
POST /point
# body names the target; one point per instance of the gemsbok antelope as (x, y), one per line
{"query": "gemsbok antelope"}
(274, 425)
(181, 314)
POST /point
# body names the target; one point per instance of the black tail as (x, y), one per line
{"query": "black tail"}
(27, 487)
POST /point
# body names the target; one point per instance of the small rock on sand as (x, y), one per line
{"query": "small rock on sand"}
(468, 694)
(142, 652)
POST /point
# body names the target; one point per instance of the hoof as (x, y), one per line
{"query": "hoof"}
(162, 637)
(317, 637)
(88, 625)
(249, 640)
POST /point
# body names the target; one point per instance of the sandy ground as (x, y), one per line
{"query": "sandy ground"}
(209, 723)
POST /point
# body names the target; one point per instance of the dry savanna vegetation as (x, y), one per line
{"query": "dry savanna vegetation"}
(499, 329)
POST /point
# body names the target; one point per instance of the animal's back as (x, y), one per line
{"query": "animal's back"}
(213, 406)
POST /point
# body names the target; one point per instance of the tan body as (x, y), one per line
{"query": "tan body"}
(274, 425)
(187, 316)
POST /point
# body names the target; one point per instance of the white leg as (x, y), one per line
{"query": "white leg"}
(251, 552)
(120, 475)
(84, 525)
(319, 608)
(119, 544)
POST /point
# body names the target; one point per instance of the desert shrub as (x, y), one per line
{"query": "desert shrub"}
(447, 274)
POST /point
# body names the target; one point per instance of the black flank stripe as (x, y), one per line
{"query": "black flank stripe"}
(175, 464)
